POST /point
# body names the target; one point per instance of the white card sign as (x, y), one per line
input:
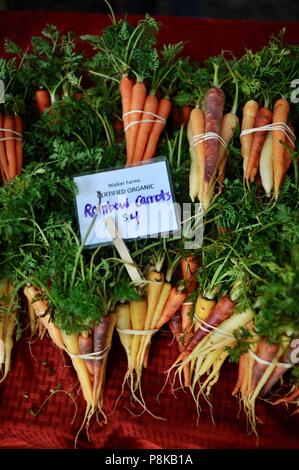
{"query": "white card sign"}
(138, 198)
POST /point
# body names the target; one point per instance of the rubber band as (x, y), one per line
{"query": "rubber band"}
(133, 123)
(218, 330)
(126, 331)
(40, 314)
(206, 136)
(94, 356)
(10, 130)
(285, 365)
(2, 139)
(144, 112)
(278, 126)
(2, 351)
(159, 119)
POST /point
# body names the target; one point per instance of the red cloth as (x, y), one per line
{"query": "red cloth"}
(31, 377)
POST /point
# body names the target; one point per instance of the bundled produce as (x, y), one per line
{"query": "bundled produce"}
(8, 319)
(232, 296)
(128, 56)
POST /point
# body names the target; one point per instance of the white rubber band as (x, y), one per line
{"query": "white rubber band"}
(136, 332)
(2, 351)
(218, 330)
(133, 123)
(143, 112)
(278, 126)
(94, 356)
(10, 130)
(159, 119)
(285, 365)
(2, 139)
(38, 313)
(206, 136)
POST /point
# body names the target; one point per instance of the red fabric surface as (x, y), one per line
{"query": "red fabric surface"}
(30, 377)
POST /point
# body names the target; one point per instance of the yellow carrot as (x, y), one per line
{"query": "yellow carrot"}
(197, 127)
(123, 322)
(137, 314)
(280, 115)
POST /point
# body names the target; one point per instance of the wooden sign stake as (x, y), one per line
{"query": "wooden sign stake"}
(123, 251)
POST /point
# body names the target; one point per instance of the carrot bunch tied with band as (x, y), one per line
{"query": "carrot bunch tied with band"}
(267, 143)
(11, 148)
(8, 321)
(146, 79)
(209, 132)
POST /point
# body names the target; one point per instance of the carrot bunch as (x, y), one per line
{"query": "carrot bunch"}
(88, 351)
(7, 326)
(209, 131)
(146, 316)
(11, 149)
(144, 118)
(259, 370)
(203, 352)
(266, 152)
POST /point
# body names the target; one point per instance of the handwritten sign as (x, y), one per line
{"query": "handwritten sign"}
(138, 198)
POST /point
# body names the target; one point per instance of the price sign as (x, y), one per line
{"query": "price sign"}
(139, 199)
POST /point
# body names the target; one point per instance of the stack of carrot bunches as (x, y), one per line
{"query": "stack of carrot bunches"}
(144, 118)
(267, 151)
(11, 149)
(88, 351)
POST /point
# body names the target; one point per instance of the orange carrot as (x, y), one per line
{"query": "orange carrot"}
(3, 159)
(137, 104)
(42, 100)
(163, 111)
(150, 106)
(125, 89)
(185, 114)
(221, 311)
(213, 106)
(263, 117)
(174, 302)
(9, 125)
(291, 396)
(249, 113)
(18, 144)
(189, 266)
(280, 114)
(241, 374)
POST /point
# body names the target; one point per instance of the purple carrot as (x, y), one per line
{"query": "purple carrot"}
(277, 373)
(266, 352)
(175, 324)
(222, 310)
(213, 106)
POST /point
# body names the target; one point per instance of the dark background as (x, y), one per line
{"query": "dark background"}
(255, 9)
